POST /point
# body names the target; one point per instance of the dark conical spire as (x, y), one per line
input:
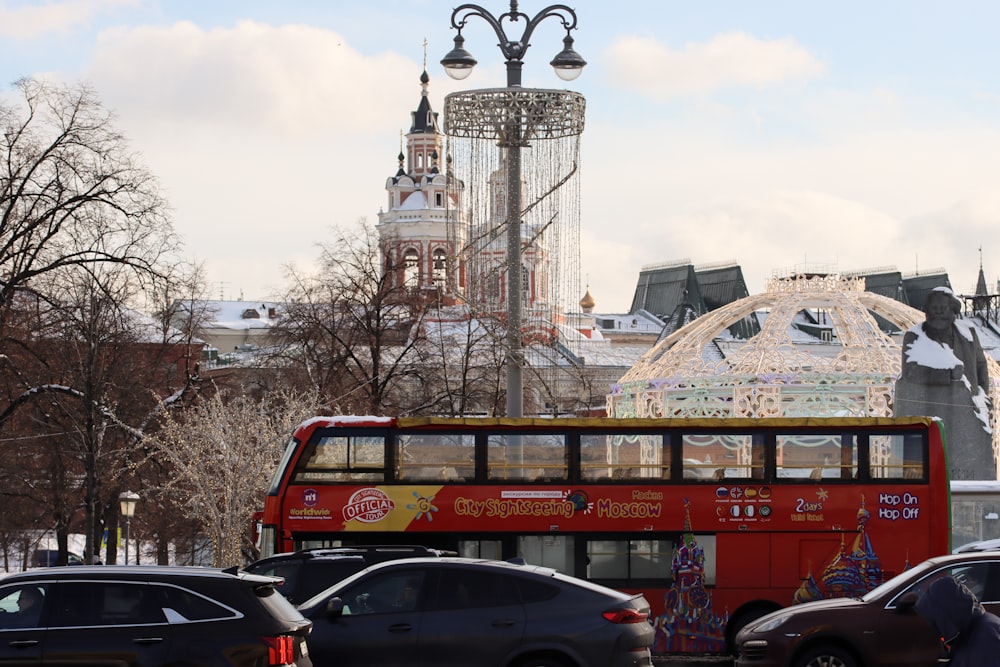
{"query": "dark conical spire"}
(425, 120)
(402, 170)
(981, 289)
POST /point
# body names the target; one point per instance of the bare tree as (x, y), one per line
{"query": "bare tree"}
(463, 361)
(71, 195)
(71, 192)
(79, 371)
(221, 454)
(351, 328)
(74, 200)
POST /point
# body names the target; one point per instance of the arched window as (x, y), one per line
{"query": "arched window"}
(440, 259)
(411, 267)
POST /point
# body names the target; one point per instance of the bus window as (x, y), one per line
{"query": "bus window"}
(816, 456)
(629, 559)
(343, 458)
(527, 457)
(618, 456)
(555, 551)
(491, 549)
(437, 457)
(897, 456)
(722, 456)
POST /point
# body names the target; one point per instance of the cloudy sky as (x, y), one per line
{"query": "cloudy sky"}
(843, 135)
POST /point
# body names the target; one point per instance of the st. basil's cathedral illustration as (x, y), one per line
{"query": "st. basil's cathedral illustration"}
(850, 573)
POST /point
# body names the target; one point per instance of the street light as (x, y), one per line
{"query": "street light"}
(459, 63)
(524, 115)
(128, 499)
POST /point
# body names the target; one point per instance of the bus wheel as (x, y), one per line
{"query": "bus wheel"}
(826, 656)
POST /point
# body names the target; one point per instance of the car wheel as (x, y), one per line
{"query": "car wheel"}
(827, 656)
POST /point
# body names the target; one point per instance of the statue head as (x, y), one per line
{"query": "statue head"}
(941, 308)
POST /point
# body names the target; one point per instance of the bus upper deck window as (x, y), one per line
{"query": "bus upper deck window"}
(897, 456)
(446, 457)
(528, 456)
(816, 456)
(343, 458)
(718, 456)
(624, 456)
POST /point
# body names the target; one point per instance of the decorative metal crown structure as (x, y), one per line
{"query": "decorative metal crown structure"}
(772, 375)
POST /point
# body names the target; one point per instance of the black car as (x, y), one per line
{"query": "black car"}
(455, 612)
(309, 571)
(144, 616)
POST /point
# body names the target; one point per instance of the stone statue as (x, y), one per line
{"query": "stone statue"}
(945, 375)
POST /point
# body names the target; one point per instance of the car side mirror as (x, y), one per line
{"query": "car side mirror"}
(907, 602)
(335, 608)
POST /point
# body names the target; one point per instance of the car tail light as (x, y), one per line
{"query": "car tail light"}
(280, 650)
(625, 615)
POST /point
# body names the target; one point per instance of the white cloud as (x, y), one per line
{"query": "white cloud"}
(28, 22)
(294, 79)
(862, 194)
(652, 68)
(263, 137)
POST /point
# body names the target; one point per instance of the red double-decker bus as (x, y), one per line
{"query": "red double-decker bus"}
(716, 521)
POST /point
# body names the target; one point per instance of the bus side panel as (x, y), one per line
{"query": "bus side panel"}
(742, 560)
(799, 556)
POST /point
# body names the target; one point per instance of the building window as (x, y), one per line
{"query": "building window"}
(440, 267)
(411, 267)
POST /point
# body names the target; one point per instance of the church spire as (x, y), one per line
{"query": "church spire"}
(425, 120)
(981, 289)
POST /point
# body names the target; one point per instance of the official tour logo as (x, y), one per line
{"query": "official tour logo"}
(368, 506)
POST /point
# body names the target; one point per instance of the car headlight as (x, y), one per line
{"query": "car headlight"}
(770, 624)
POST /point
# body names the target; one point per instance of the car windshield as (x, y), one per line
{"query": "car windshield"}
(901, 579)
(320, 597)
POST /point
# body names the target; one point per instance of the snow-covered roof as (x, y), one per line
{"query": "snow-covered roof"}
(237, 315)
(415, 202)
(640, 321)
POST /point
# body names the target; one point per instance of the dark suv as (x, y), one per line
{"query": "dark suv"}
(50, 557)
(310, 571)
(148, 616)
(456, 612)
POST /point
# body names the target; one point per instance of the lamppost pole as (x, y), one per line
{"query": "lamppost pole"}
(127, 500)
(512, 138)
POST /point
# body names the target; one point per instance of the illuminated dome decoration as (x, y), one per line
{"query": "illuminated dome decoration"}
(846, 366)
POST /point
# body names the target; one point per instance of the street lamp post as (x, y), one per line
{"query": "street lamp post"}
(524, 113)
(128, 499)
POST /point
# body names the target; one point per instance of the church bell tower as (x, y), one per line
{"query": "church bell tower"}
(420, 234)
